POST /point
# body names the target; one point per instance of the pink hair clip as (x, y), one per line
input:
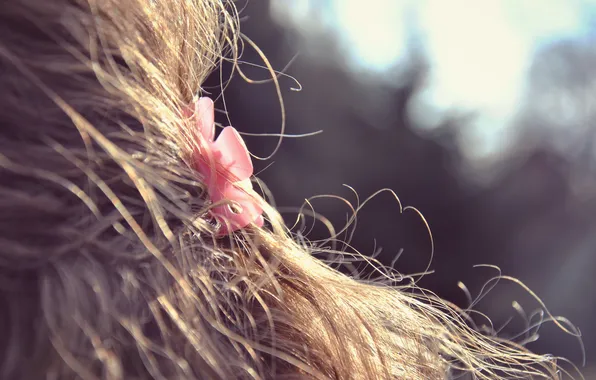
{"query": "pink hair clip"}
(227, 167)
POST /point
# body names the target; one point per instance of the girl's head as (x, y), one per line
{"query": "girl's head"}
(111, 263)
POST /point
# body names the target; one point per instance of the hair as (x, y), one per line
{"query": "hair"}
(109, 268)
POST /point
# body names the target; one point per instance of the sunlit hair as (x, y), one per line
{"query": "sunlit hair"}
(109, 268)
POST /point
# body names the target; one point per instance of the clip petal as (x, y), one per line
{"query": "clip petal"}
(205, 118)
(233, 154)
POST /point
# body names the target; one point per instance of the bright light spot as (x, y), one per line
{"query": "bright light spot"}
(479, 52)
(374, 33)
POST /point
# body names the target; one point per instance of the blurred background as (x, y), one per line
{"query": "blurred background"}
(478, 113)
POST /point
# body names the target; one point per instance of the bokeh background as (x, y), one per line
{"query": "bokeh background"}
(478, 113)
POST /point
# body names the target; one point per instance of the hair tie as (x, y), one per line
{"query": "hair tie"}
(227, 167)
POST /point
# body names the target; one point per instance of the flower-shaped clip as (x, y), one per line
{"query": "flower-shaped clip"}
(227, 167)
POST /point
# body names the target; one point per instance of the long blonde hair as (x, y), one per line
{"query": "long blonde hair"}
(108, 269)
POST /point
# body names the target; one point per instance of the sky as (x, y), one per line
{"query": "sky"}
(479, 51)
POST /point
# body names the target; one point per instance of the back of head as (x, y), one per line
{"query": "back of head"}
(93, 184)
(109, 265)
